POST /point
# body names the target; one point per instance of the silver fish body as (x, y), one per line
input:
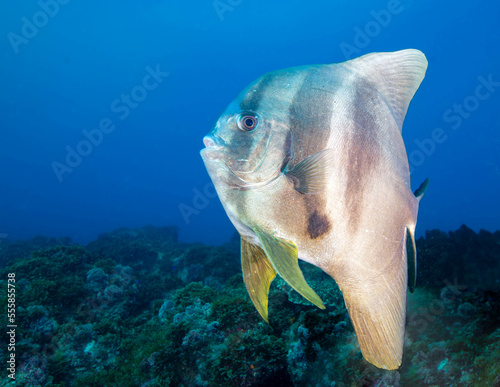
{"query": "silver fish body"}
(309, 163)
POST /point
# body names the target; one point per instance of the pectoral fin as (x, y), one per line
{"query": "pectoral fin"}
(283, 255)
(311, 174)
(258, 273)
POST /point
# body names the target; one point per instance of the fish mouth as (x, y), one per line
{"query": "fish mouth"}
(213, 150)
(211, 154)
(212, 141)
(214, 156)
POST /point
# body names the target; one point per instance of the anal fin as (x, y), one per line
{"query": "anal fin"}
(377, 308)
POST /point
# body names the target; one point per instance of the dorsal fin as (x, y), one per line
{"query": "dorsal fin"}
(396, 75)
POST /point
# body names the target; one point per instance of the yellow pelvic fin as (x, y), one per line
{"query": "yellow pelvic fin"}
(258, 273)
(283, 255)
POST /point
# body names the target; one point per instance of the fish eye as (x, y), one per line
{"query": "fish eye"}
(247, 122)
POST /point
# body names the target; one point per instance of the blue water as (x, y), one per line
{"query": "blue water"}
(67, 67)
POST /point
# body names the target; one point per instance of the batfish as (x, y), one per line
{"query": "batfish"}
(309, 163)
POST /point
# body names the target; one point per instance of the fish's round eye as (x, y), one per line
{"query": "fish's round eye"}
(247, 122)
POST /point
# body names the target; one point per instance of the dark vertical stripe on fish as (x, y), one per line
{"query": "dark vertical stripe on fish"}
(310, 116)
(310, 113)
(363, 152)
(255, 93)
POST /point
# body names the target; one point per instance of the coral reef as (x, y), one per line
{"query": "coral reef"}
(10, 250)
(138, 308)
(469, 257)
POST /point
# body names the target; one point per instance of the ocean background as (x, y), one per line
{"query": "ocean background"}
(104, 197)
(62, 77)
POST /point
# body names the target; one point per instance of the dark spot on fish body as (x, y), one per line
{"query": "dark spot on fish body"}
(318, 225)
(309, 115)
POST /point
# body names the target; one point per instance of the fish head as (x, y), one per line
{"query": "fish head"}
(250, 144)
